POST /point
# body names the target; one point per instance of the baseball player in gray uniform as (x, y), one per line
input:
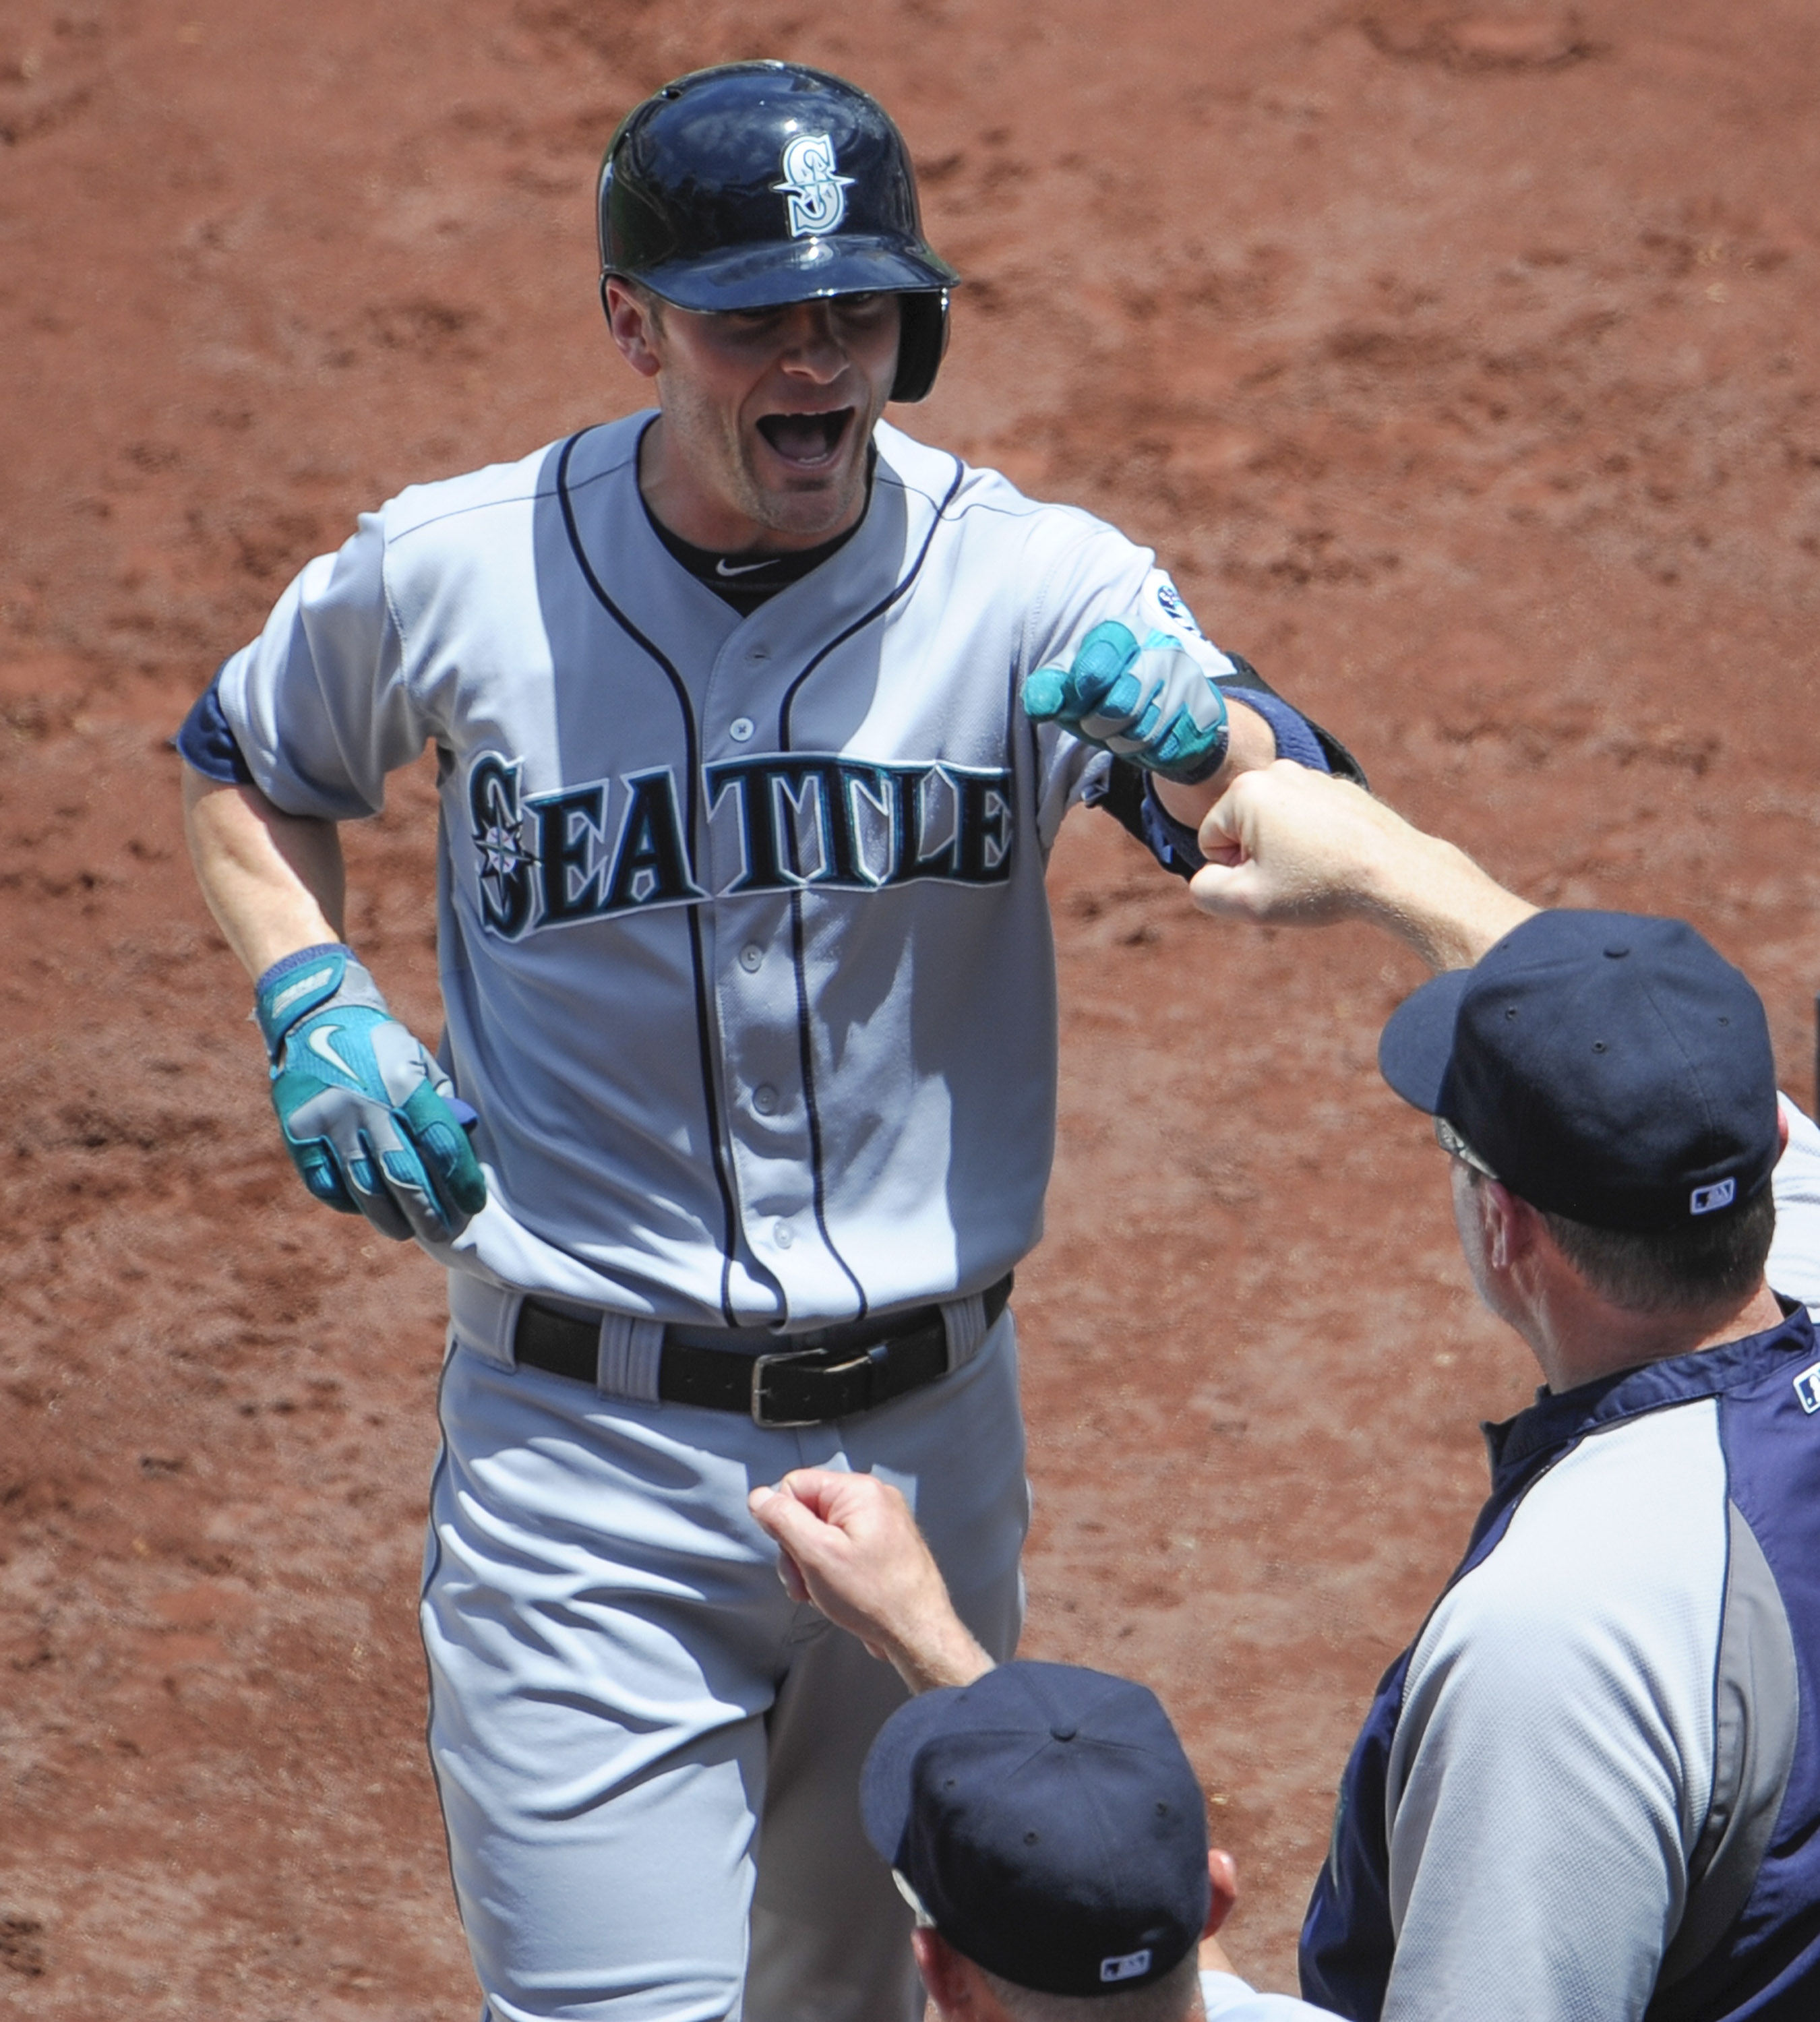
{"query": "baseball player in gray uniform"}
(754, 720)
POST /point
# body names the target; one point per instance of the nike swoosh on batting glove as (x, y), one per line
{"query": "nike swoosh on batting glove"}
(1154, 703)
(371, 1123)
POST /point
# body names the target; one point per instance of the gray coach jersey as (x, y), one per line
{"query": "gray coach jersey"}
(744, 945)
(1589, 1792)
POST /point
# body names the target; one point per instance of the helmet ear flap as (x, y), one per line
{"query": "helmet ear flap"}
(922, 341)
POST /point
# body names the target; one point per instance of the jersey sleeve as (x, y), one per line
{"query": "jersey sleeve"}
(1228, 1998)
(1793, 1268)
(1537, 1860)
(1105, 576)
(318, 705)
(1097, 576)
(206, 741)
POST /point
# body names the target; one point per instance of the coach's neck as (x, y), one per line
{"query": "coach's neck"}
(1577, 1334)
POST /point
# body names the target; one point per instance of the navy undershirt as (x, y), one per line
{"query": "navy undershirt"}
(748, 580)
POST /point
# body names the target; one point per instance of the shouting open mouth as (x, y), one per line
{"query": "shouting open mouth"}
(807, 442)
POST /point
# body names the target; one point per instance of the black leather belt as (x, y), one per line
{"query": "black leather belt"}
(833, 1373)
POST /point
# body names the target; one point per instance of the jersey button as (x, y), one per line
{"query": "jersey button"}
(765, 1099)
(740, 729)
(752, 958)
(760, 652)
(783, 1235)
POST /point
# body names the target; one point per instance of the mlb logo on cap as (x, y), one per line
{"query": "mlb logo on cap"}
(1611, 1068)
(1047, 1823)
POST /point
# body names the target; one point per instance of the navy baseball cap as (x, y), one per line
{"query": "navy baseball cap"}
(1047, 1823)
(1609, 1067)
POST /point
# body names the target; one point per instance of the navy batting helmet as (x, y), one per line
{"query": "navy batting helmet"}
(758, 184)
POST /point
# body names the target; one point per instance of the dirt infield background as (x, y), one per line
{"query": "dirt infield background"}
(1462, 363)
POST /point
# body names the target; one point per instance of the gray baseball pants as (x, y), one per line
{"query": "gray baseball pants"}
(648, 1755)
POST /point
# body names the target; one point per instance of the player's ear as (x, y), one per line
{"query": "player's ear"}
(1223, 1872)
(636, 323)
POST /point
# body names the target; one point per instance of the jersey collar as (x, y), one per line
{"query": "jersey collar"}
(1552, 1422)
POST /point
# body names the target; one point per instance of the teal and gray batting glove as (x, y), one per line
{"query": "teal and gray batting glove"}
(370, 1119)
(1154, 703)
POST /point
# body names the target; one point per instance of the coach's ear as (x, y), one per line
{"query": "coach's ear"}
(1222, 1871)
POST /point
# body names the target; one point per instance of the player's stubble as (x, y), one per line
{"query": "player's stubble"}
(709, 470)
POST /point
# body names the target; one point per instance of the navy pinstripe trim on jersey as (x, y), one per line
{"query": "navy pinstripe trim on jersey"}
(806, 1049)
(805, 1028)
(877, 610)
(704, 1029)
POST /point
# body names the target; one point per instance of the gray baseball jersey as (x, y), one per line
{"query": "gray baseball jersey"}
(745, 954)
(744, 946)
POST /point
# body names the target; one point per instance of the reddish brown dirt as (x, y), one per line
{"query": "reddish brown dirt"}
(1461, 361)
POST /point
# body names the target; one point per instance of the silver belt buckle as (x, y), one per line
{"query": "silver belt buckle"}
(875, 1355)
(760, 1364)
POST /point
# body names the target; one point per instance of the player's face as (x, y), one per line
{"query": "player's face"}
(767, 417)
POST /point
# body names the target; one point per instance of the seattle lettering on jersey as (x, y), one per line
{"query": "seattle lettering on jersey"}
(804, 821)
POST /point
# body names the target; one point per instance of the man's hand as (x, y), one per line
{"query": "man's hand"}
(1287, 846)
(850, 1545)
(370, 1121)
(1151, 702)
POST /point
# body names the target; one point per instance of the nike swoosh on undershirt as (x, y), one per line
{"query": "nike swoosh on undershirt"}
(721, 567)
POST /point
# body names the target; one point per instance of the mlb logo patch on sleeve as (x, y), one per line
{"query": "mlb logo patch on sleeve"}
(1807, 1389)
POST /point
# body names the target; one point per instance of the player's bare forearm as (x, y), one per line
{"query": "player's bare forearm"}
(848, 1543)
(1287, 846)
(1251, 743)
(274, 882)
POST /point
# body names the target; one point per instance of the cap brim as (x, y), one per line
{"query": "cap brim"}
(1416, 1046)
(798, 270)
(885, 1780)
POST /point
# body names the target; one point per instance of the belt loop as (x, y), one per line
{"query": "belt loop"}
(484, 1316)
(630, 1351)
(965, 1322)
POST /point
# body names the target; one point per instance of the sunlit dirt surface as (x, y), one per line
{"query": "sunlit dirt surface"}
(1461, 364)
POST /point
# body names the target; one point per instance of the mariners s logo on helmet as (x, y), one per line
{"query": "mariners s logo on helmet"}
(818, 198)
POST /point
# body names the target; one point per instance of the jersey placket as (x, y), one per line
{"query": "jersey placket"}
(759, 982)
